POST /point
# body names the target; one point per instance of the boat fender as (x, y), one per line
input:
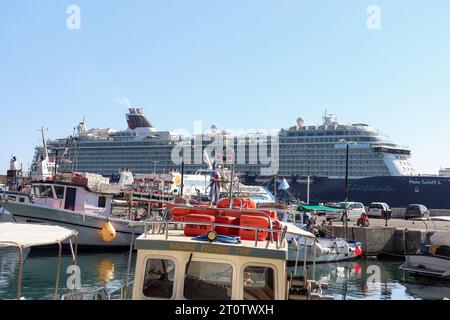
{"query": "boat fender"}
(347, 249)
(336, 247)
(108, 233)
(294, 244)
(319, 250)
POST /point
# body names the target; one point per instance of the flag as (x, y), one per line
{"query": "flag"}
(284, 185)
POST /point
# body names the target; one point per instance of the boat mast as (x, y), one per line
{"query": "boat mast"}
(275, 186)
(44, 144)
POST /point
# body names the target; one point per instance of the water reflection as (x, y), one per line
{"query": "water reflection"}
(373, 279)
(345, 281)
(40, 268)
(9, 265)
(105, 270)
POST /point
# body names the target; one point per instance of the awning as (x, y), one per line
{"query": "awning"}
(316, 208)
(30, 235)
(292, 229)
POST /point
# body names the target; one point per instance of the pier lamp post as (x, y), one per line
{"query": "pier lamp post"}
(347, 153)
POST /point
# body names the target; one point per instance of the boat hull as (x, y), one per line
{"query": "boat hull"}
(327, 251)
(398, 192)
(88, 226)
(427, 265)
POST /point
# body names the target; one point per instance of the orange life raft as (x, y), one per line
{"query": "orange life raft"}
(249, 217)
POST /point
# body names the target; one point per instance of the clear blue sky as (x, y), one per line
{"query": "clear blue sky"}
(237, 63)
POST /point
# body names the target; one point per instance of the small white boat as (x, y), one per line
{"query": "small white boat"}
(433, 260)
(324, 250)
(25, 236)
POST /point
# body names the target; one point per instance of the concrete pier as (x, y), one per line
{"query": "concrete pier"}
(399, 238)
(400, 212)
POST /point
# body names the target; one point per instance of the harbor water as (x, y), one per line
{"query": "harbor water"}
(96, 270)
(369, 279)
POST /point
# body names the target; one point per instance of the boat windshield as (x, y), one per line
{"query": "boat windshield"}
(43, 191)
(259, 283)
(159, 276)
(208, 281)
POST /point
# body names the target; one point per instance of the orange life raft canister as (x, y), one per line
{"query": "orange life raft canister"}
(256, 222)
(194, 230)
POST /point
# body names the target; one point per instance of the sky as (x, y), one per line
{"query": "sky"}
(240, 64)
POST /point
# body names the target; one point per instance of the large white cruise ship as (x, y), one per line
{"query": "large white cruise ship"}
(379, 170)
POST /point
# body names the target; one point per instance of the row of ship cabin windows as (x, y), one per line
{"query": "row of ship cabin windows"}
(335, 140)
(331, 133)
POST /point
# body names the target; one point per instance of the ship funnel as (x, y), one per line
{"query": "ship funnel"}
(136, 119)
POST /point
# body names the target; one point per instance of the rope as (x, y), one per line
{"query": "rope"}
(392, 254)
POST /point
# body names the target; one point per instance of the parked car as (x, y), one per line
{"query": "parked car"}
(354, 211)
(417, 211)
(377, 209)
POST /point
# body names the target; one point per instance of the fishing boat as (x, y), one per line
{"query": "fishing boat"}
(75, 200)
(431, 260)
(219, 253)
(74, 205)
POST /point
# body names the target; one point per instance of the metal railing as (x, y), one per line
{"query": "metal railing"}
(161, 227)
(97, 294)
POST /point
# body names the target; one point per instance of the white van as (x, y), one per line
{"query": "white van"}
(354, 211)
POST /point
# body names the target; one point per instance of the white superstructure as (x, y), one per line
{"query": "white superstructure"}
(445, 172)
(303, 150)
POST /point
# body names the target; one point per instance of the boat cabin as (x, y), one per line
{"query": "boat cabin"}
(12, 196)
(206, 260)
(70, 196)
(182, 268)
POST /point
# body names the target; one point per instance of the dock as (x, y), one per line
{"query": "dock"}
(400, 237)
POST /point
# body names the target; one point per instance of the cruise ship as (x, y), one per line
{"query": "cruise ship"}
(312, 159)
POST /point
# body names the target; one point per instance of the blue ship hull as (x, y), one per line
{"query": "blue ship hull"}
(398, 192)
